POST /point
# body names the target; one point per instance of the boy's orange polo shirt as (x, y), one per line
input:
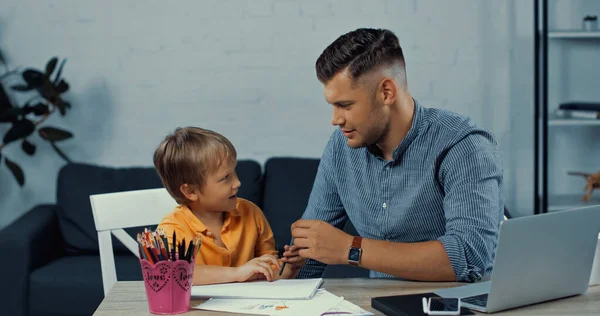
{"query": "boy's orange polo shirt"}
(245, 233)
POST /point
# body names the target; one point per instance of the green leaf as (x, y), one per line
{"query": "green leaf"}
(62, 86)
(61, 107)
(20, 129)
(60, 68)
(16, 171)
(28, 147)
(54, 134)
(51, 65)
(34, 78)
(48, 92)
(7, 118)
(40, 109)
(21, 87)
(11, 114)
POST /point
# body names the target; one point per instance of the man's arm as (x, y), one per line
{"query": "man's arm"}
(472, 178)
(324, 204)
(425, 261)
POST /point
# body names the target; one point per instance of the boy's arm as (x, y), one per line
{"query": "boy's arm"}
(265, 245)
(205, 274)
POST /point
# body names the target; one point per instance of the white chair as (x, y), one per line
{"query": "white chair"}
(595, 276)
(115, 211)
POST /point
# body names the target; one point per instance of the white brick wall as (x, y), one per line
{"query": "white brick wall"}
(246, 69)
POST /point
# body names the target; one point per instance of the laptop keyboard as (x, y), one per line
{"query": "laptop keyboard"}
(479, 300)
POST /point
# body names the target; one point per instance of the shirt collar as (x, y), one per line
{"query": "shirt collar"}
(407, 140)
(412, 132)
(195, 222)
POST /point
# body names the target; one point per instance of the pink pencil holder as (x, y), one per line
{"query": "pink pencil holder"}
(168, 286)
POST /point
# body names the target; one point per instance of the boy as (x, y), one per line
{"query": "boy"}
(197, 167)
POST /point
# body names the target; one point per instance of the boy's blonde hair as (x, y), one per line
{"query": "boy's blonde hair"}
(188, 156)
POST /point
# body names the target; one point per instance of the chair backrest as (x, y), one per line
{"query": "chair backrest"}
(115, 211)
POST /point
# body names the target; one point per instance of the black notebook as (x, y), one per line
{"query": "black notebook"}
(406, 305)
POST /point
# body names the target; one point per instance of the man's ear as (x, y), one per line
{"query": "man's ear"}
(388, 91)
(190, 192)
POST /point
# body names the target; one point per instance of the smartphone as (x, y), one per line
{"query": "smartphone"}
(443, 306)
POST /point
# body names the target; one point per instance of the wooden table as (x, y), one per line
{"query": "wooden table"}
(129, 298)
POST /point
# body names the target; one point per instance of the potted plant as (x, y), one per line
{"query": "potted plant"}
(23, 120)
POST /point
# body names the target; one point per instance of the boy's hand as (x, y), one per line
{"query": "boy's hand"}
(260, 266)
(292, 257)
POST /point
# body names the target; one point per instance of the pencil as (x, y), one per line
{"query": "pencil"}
(174, 244)
(188, 252)
(142, 254)
(166, 243)
(283, 265)
(197, 249)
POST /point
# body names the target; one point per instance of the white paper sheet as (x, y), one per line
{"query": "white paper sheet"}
(322, 302)
(280, 289)
(347, 308)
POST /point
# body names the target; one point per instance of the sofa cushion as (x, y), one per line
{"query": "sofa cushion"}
(72, 285)
(250, 174)
(287, 186)
(76, 182)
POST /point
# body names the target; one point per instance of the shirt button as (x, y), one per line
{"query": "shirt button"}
(387, 168)
(384, 205)
(208, 233)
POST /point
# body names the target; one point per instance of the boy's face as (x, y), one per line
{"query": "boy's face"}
(219, 192)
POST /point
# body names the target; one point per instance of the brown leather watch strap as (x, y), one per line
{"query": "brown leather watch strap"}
(356, 242)
(356, 246)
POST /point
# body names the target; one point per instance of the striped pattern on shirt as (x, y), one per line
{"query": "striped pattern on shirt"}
(444, 183)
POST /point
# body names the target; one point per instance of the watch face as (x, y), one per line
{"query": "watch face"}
(354, 254)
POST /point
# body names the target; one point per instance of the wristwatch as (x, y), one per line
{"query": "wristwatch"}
(355, 251)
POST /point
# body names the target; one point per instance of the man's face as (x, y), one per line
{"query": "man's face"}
(357, 110)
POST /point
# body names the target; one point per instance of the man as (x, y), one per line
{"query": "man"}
(422, 186)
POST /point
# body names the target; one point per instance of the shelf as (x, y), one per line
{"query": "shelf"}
(569, 201)
(573, 122)
(573, 34)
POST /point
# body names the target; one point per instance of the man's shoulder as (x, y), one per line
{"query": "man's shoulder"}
(451, 127)
(447, 120)
(337, 139)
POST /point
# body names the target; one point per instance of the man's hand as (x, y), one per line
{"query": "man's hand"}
(321, 241)
(255, 268)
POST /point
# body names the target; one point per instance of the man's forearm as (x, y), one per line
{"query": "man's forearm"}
(204, 274)
(423, 261)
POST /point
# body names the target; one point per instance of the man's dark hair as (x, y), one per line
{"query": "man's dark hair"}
(361, 51)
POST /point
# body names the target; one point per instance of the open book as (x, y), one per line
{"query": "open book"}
(280, 289)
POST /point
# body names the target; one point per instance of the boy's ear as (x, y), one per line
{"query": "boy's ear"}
(190, 192)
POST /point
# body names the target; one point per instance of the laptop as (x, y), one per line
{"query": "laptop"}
(538, 258)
